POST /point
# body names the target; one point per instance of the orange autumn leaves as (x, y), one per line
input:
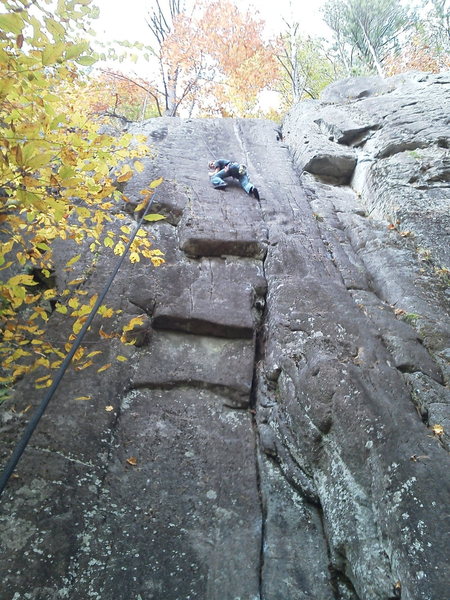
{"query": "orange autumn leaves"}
(200, 70)
(216, 60)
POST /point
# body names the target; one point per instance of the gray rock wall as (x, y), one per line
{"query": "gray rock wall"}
(271, 435)
(389, 138)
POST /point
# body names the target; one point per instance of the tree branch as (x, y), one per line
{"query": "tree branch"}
(137, 84)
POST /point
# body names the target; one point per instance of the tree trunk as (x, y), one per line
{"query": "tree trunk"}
(296, 91)
(371, 49)
(144, 107)
(171, 97)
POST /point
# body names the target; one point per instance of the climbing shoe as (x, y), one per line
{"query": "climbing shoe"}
(255, 192)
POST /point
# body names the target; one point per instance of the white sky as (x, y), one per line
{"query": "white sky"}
(126, 20)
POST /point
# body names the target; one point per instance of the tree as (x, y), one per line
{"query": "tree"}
(214, 70)
(342, 50)
(417, 55)
(428, 47)
(372, 28)
(436, 24)
(115, 95)
(433, 31)
(244, 63)
(179, 60)
(305, 66)
(55, 180)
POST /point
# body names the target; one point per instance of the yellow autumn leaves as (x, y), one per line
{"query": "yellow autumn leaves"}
(140, 247)
(29, 351)
(126, 172)
(58, 176)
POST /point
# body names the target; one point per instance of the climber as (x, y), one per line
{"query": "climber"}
(221, 169)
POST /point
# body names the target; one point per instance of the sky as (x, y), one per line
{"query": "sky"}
(127, 20)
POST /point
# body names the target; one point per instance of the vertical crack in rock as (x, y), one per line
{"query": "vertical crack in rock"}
(290, 522)
(258, 356)
(261, 595)
(400, 339)
(259, 353)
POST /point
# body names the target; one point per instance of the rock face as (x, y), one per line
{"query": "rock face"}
(390, 139)
(273, 434)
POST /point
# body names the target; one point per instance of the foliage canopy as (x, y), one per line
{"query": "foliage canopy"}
(58, 176)
(207, 69)
(388, 36)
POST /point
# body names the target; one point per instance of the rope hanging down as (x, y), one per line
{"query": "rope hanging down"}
(23, 442)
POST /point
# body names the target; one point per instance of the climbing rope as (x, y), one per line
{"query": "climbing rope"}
(23, 442)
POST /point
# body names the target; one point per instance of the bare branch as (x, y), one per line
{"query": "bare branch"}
(147, 89)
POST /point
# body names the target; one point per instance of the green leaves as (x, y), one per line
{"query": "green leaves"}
(55, 28)
(153, 217)
(12, 23)
(75, 50)
(372, 29)
(86, 61)
(52, 52)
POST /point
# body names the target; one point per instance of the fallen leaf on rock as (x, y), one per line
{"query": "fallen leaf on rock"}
(104, 335)
(154, 217)
(85, 365)
(134, 322)
(416, 458)
(45, 384)
(73, 260)
(437, 430)
(75, 281)
(132, 461)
